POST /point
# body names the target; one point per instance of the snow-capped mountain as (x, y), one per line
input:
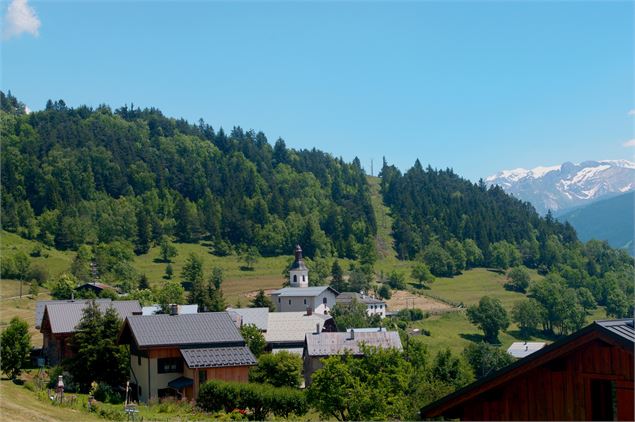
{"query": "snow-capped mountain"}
(568, 185)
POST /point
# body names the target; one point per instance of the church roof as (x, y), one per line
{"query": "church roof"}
(303, 291)
(298, 264)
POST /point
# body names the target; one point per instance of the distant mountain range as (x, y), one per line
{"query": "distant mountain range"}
(563, 187)
(608, 219)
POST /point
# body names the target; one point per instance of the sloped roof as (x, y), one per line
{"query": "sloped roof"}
(291, 327)
(619, 332)
(41, 304)
(521, 349)
(217, 357)
(182, 330)
(257, 316)
(347, 297)
(303, 291)
(64, 317)
(328, 344)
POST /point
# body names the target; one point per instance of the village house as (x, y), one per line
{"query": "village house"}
(585, 376)
(60, 318)
(283, 330)
(172, 354)
(321, 345)
(374, 306)
(95, 287)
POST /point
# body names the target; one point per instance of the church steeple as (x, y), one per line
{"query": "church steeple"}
(299, 273)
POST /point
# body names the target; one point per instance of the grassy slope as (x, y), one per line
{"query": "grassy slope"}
(18, 404)
(453, 330)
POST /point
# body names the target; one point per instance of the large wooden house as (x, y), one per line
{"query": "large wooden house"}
(172, 354)
(60, 318)
(585, 376)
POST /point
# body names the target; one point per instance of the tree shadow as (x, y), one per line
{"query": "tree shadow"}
(160, 261)
(245, 268)
(496, 270)
(474, 338)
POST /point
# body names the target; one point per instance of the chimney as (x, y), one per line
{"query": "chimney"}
(352, 334)
(174, 309)
(317, 328)
(309, 311)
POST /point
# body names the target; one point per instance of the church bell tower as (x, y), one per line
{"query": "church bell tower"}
(299, 273)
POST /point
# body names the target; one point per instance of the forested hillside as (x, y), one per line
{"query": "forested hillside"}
(452, 224)
(73, 176)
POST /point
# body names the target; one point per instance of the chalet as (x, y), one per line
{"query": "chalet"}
(321, 345)
(373, 306)
(172, 354)
(41, 305)
(60, 319)
(95, 287)
(299, 296)
(585, 376)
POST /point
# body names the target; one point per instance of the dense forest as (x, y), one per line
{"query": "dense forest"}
(451, 224)
(74, 176)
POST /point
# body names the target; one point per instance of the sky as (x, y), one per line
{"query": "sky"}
(474, 86)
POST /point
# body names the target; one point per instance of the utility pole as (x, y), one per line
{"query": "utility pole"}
(371, 167)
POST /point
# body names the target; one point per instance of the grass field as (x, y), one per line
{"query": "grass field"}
(18, 404)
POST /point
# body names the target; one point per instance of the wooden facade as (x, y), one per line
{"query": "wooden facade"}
(587, 376)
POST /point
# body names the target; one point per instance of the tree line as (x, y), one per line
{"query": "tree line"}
(74, 176)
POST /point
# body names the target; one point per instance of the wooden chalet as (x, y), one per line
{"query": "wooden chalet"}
(585, 376)
(172, 354)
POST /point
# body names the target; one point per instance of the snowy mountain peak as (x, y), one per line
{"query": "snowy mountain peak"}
(567, 185)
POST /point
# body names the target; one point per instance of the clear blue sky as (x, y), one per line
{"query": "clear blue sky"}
(476, 86)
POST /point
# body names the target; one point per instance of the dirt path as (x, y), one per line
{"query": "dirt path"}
(402, 299)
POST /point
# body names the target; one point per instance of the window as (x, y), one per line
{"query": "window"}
(168, 365)
(295, 278)
(324, 300)
(289, 301)
(139, 360)
(202, 376)
(278, 299)
(305, 301)
(302, 278)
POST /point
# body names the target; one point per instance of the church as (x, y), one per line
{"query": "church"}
(299, 296)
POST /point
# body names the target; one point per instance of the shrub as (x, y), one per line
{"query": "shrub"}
(260, 399)
(70, 386)
(282, 369)
(39, 274)
(413, 314)
(104, 393)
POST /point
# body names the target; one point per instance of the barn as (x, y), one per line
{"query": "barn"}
(585, 376)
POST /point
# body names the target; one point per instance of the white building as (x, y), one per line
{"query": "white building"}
(373, 306)
(521, 349)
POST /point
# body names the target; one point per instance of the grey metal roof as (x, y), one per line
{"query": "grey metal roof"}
(64, 317)
(41, 304)
(217, 357)
(328, 344)
(620, 327)
(257, 316)
(347, 297)
(302, 291)
(182, 330)
(291, 327)
(521, 349)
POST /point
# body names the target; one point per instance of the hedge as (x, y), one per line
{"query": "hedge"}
(260, 399)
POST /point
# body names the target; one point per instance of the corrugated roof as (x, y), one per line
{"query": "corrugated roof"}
(347, 297)
(181, 330)
(216, 357)
(328, 344)
(41, 304)
(620, 327)
(64, 317)
(291, 327)
(302, 291)
(521, 349)
(257, 316)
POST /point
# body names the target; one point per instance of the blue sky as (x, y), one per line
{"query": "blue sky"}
(476, 86)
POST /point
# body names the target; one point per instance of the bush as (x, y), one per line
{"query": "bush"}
(70, 386)
(104, 393)
(384, 292)
(36, 251)
(260, 399)
(39, 274)
(282, 369)
(413, 314)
